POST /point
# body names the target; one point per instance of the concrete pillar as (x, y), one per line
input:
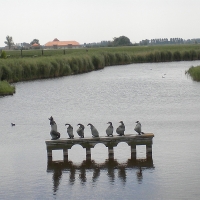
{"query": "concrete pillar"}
(49, 155)
(65, 155)
(88, 154)
(133, 152)
(110, 153)
(149, 151)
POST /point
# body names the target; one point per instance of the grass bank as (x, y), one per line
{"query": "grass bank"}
(194, 72)
(6, 88)
(76, 61)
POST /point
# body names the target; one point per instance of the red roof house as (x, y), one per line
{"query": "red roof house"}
(56, 44)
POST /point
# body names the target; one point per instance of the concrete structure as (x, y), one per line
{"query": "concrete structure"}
(56, 44)
(110, 142)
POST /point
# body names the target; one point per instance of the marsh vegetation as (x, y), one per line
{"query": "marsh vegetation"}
(55, 63)
(6, 88)
(194, 72)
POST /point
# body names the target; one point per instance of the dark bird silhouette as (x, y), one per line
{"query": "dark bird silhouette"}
(138, 128)
(12, 124)
(120, 130)
(94, 131)
(109, 130)
(80, 130)
(70, 131)
(54, 133)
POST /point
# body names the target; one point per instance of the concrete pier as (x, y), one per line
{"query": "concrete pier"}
(110, 142)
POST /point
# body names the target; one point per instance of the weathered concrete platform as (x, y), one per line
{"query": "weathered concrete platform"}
(110, 142)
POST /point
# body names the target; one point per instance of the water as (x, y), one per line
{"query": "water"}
(159, 95)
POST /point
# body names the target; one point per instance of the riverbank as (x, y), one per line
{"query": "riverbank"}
(77, 61)
(6, 88)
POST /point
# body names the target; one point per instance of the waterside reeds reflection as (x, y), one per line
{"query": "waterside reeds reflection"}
(112, 169)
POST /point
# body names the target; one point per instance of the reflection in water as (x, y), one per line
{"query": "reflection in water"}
(139, 175)
(122, 174)
(72, 175)
(96, 174)
(82, 175)
(57, 167)
(57, 175)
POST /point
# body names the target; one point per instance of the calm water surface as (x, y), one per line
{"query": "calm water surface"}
(159, 95)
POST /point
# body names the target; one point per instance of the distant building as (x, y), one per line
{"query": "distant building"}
(35, 46)
(56, 44)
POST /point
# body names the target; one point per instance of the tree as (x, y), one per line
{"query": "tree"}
(121, 41)
(9, 41)
(35, 41)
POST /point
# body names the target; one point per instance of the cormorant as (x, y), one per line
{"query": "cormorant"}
(120, 130)
(138, 128)
(80, 130)
(94, 131)
(109, 130)
(54, 133)
(70, 131)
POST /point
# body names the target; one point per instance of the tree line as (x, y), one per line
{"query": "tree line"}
(10, 43)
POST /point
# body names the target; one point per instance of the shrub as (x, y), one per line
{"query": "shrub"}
(3, 55)
(6, 73)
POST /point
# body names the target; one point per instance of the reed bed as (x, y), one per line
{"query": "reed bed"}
(194, 73)
(76, 61)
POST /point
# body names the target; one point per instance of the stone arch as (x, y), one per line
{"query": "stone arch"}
(76, 153)
(100, 143)
(123, 142)
(122, 151)
(100, 152)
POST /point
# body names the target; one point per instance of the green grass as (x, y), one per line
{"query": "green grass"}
(83, 51)
(194, 72)
(6, 88)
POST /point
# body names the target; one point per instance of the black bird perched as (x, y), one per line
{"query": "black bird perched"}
(80, 130)
(138, 128)
(120, 130)
(70, 131)
(12, 124)
(109, 130)
(54, 133)
(94, 131)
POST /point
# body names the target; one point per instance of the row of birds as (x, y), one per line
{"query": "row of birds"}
(80, 131)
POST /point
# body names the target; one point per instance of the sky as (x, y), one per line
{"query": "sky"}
(87, 21)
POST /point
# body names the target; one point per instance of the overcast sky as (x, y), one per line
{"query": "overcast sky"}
(89, 21)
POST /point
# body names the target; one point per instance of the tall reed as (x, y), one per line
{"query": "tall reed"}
(81, 61)
(194, 73)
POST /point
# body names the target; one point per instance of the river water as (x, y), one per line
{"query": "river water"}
(159, 95)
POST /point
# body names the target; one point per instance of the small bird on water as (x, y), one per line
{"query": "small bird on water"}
(138, 128)
(120, 130)
(12, 124)
(80, 130)
(109, 130)
(94, 131)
